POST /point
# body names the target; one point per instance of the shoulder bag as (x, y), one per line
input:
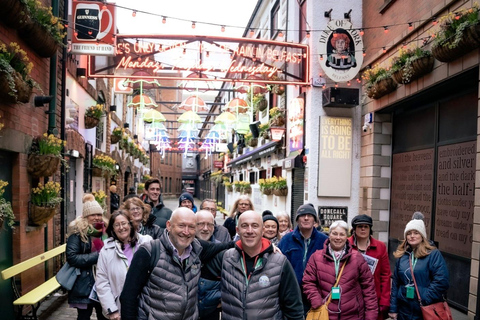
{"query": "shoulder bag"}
(434, 311)
(67, 276)
(322, 312)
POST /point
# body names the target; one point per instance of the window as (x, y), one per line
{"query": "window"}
(99, 135)
(263, 174)
(277, 172)
(252, 178)
(170, 185)
(274, 20)
(302, 20)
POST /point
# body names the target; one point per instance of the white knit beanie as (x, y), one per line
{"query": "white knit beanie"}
(90, 206)
(416, 224)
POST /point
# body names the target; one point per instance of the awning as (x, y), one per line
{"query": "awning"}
(260, 152)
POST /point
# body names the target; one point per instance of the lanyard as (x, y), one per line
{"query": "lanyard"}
(414, 261)
(306, 243)
(257, 263)
(337, 265)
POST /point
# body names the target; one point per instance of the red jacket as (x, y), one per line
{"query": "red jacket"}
(382, 275)
(358, 299)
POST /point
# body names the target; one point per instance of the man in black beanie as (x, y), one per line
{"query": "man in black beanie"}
(302, 242)
(186, 200)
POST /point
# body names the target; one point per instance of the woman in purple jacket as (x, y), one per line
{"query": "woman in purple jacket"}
(354, 297)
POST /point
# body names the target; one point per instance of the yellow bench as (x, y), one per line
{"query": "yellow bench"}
(35, 296)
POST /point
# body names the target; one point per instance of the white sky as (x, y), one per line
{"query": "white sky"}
(232, 13)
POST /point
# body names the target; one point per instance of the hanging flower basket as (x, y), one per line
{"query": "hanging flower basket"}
(97, 172)
(12, 13)
(267, 191)
(42, 165)
(262, 105)
(265, 135)
(447, 52)
(278, 89)
(280, 192)
(247, 190)
(381, 88)
(230, 188)
(23, 90)
(277, 121)
(114, 139)
(91, 122)
(40, 215)
(417, 69)
(253, 142)
(39, 39)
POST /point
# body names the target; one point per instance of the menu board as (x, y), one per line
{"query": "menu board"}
(455, 198)
(412, 189)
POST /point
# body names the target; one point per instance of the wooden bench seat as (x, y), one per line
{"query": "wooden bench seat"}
(36, 296)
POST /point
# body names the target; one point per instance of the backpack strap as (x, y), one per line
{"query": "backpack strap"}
(154, 254)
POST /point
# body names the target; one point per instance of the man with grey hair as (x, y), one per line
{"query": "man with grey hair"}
(252, 266)
(219, 232)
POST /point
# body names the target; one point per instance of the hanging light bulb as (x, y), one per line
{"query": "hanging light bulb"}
(164, 19)
(193, 25)
(336, 85)
(134, 13)
(208, 54)
(410, 26)
(308, 34)
(324, 86)
(252, 33)
(358, 80)
(75, 33)
(280, 33)
(184, 50)
(384, 49)
(434, 20)
(385, 29)
(404, 45)
(348, 83)
(362, 32)
(457, 16)
(223, 29)
(364, 52)
(321, 57)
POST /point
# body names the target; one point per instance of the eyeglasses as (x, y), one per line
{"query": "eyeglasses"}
(244, 204)
(135, 209)
(122, 224)
(214, 210)
(203, 224)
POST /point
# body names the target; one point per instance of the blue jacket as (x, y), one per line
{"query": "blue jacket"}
(298, 252)
(431, 274)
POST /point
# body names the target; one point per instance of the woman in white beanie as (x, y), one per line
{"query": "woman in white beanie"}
(429, 268)
(85, 240)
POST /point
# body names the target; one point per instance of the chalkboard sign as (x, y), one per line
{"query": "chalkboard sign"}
(331, 214)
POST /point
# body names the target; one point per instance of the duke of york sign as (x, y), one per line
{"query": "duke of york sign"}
(340, 51)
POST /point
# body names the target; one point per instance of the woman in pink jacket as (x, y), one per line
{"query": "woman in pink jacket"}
(362, 241)
(354, 297)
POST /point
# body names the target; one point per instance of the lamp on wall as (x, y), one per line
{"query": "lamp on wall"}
(113, 108)
(347, 15)
(126, 125)
(328, 14)
(81, 73)
(277, 133)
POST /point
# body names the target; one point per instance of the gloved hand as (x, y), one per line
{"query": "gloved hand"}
(384, 311)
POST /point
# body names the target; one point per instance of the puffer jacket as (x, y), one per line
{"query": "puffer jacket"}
(270, 293)
(298, 252)
(431, 274)
(171, 291)
(161, 212)
(209, 296)
(382, 275)
(79, 255)
(112, 268)
(357, 288)
(151, 229)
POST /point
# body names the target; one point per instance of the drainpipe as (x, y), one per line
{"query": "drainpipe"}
(52, 128)
(63, 177)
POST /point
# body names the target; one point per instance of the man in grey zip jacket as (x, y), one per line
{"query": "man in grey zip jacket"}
(256, 283)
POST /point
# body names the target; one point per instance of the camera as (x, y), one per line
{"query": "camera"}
(365, 127)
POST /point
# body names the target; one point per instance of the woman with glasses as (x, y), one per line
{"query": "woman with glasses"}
(242, 204)
(114, 260)
(340, 275)
(142, 218)
(375, 253)
(285, 224)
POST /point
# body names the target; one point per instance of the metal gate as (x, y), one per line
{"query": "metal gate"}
(298, 190)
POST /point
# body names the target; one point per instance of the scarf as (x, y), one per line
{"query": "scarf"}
(97, 234)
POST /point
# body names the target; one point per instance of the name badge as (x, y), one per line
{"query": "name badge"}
(335, 293)
(410, 292)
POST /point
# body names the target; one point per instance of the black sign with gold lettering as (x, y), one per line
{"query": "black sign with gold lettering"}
(330, 214)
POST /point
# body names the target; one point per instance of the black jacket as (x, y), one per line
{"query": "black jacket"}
(151, 229)
(80, 255)
(161, 212)
(114, 202)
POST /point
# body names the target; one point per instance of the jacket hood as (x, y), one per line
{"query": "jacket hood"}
(327, 254)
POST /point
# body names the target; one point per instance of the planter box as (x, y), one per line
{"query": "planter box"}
(39, 39)
(381, 88)
(114, 139)
(280, 192)
(470, 41)
(419, 68)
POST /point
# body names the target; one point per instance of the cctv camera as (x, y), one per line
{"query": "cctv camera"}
(365, 128)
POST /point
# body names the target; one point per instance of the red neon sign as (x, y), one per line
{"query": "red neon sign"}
(170, 57)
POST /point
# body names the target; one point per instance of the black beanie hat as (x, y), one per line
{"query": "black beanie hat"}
(185, 196)
(306, 209)
(362, 219)
(270, 217)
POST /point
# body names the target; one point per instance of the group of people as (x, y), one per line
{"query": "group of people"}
(255, 266)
